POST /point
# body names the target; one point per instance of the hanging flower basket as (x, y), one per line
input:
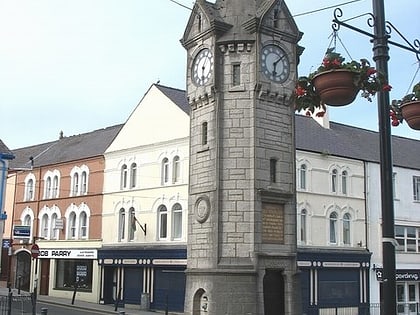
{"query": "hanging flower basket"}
(337, 83)
(411, 113)
(407, 108)
(336, 87)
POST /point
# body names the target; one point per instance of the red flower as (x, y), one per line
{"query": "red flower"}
(300, 91)
(308, 113)
(371, 71)
(386, 87)
(336, 63)
(320, 114)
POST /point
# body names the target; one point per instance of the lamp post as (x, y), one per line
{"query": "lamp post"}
(380, 40)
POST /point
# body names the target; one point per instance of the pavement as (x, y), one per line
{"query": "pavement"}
(82, 305)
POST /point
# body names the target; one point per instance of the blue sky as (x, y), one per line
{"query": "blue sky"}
(82, 65)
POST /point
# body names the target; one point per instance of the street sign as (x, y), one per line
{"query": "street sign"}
(35, 251)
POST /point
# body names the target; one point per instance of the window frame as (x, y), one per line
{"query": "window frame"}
(163, 222)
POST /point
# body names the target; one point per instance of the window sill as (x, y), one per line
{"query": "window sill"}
(204, 149)
(237, 88)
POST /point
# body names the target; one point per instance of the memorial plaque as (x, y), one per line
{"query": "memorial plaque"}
(273, 223)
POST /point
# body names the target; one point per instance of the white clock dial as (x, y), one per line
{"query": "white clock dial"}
(202, 67)
(275, 63)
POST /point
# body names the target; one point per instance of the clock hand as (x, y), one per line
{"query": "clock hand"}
(275, 64)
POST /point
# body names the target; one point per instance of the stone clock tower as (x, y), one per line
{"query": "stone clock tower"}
(241, 69)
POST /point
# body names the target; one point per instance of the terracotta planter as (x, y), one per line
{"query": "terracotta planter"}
(336, 87)
(411, 113)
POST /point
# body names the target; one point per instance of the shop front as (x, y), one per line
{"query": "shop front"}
(147, 277)
(334, 281)
(66, 271)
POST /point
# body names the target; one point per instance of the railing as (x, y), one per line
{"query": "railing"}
(15, 304)
(368, 309)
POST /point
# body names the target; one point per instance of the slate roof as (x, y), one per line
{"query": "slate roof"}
(66, 149)
(351, 142)
(4, 150)
(179, 97)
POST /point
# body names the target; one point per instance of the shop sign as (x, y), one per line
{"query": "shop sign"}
(22, 231)
(401, 275)
(68, 253)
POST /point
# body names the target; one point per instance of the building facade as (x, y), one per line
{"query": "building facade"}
(58, 206)
(143, 257)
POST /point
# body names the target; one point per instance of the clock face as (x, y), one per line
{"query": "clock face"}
(202, 68)
(275, 63)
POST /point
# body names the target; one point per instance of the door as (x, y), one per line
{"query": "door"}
(45, 276)
(273, 286)
(133, 285)
(109, 285)
(23, 271)
(408, 298)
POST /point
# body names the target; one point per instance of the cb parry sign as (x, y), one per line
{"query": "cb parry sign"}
(68, 253)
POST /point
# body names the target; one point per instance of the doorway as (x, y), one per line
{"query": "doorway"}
(45, 276)
(273, 286)
(23, 271)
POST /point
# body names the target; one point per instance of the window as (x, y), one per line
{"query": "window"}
(333, 228)
(72, 226)
(163, 222)
(55, 187)
(273, 170)
(334, 180)
(121, 229)
(303, 216)
(47, 193)
(44, 226)
(29, 192)
(83, 224)
(165, 171)
(27, 220)
(68, 271)
(236, 74)
(276, 18)
(204, 133)
(133, 175)
(83, 183)
(124, 175)
(408, 297)
(416, 188)
(176, 169)
(53, 229)
(177, 221)
(346, 229)
(408, 238)
(344, 182)
(302, 177)
(199, 23)
(394, 183)
(132, 223)
(75, 184)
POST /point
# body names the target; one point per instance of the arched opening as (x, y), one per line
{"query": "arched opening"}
(273, 286)
(200, 303)
(23, 271)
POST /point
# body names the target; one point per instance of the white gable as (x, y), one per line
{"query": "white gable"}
(155, 119)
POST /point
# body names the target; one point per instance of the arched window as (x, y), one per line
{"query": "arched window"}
(303, 229)
(165, 171)
(176, 169)
(124, 175)
(334, 174)
(163, 222)
(47, 193)
(75, 184)
(53, 229)
(133, 175)
(72, 226)
(30, 190)
(302, 177)
(177, 221)
(204, 133)
(83, 183)
(346, 229)
(27, 220)
(83, 225)
(44, 226)
(55, 187)
(333, 228)
(133, 223)
(344, 182)
(121, 225)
